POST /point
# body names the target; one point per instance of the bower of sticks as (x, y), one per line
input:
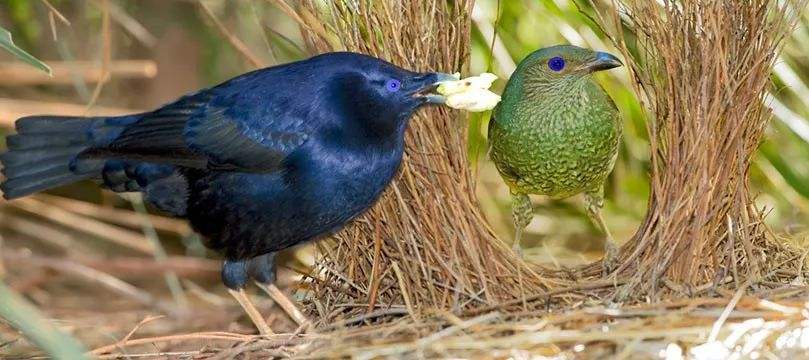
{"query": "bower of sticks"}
(423, 274)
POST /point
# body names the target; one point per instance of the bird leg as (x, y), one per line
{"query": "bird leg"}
(262, 269)
(235, 275)
(594, 201)
(255, 316)
(522, 213)
(286, 303)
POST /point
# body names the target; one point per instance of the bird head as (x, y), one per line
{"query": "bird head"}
(565, 63)
(384, 96)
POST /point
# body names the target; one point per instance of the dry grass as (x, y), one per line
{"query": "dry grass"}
(747, 325)
(702, 69)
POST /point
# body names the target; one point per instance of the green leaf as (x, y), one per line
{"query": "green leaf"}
(25, 317)
(8, 44)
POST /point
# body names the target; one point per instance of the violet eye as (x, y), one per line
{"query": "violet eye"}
(556, 64)
(393, 85)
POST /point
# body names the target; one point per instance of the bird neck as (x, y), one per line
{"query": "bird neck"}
(532, 97)
(377, 128)
(359, 133)
(542, 92)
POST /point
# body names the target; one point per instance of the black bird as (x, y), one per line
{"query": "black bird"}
(260, 163)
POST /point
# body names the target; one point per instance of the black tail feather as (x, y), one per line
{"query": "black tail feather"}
(35, 157)
(40, 141)
(52, 124)
(13, 172)
(27, 185)
(43, 154)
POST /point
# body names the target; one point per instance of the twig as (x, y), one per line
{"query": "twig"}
(110, 233)
(264, 36)
(424, 342)
(106, 280)
(191, 336)
(368, 316)
(156, 355)
(249, 347)
(132, 25)
(106, 53)
(204, 294)
(56, 12)
(47, 234)
(717, 326)
(118, 216)
(405, 295)
(375, 279)
(13, 109)
(232, 39)
(145, 321)
(66, 72)
(132, 267)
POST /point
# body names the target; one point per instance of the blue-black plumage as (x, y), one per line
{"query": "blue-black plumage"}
(257, 164)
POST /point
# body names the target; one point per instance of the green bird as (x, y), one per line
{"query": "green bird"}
(556, 133)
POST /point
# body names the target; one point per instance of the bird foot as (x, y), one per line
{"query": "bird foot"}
(610, 261)
(253, 313)
(287, 304)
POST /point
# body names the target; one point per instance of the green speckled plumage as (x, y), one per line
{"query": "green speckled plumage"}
(555, 138)
(556, 133)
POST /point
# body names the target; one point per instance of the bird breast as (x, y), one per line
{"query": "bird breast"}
(558, 148)
(353, 180)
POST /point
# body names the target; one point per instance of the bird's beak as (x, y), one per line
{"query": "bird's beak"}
(603, 61)
(427, 86)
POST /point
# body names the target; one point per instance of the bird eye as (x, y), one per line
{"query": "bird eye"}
(393, 85)
(556, 64)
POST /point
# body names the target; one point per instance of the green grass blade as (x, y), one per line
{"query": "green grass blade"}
(172, 280)
(8, 44)
(24, 317)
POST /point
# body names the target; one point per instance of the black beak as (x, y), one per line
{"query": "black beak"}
(428, 84)
(604, 61)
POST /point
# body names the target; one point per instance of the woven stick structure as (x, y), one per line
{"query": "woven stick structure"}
(703, 68)
(426, 244)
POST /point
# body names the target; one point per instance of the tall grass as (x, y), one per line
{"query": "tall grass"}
(709, 117)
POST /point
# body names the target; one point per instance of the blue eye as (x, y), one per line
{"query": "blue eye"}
(393, 85)
(556, 64)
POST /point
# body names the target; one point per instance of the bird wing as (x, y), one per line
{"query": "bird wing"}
(207, 131)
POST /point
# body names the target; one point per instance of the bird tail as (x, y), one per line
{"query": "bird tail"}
(44, 154)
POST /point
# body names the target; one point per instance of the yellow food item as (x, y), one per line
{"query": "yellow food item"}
(470, 94)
